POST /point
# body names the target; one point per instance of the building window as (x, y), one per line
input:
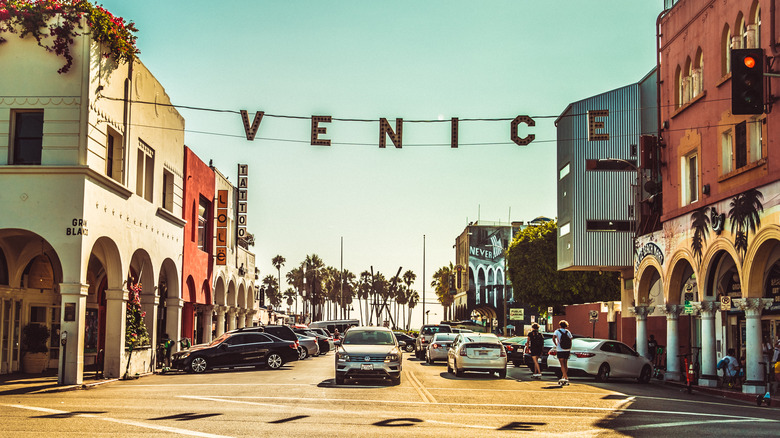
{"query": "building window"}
(726, 152)
(28, 137)
(740, 134)
(144, 182)
(204, 209)
(756, 140)
(725, 67)
(697, 74)
(167, 194)
(564, 171)
(678, 87)
(690, 179)
(565, 229)
(114, 155)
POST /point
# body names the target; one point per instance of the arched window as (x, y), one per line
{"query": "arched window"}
(678, 88)
(697, 74)
(754, 27)
(688, 81)
(725, 47)
(742, 38)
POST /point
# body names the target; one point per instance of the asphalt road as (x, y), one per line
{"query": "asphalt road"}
(302, 400)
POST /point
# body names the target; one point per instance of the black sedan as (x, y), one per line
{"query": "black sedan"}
(529, 360)
(237, 349)
(401, 336)
(514, 349)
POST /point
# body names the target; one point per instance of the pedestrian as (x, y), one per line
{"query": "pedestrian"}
(652, 347)
(562, 340)
(536, 346)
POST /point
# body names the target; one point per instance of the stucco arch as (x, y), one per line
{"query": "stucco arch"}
(757, 260)
(107, 252)
(679, 261)
(220, 292)
(645, 274)
(231, 294)
(141, 266)
(170, 274)
(241, 296)
(711, 265)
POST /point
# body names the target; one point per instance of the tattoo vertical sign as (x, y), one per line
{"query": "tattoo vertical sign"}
(243, 180)
(222, 208)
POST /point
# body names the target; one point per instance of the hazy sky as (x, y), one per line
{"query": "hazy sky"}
(417, 60)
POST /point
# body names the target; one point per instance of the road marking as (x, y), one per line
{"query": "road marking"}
(122, 421)
(687, 423)
(424, 394)
(481, 405)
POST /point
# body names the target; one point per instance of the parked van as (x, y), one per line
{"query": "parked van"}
(342, 325)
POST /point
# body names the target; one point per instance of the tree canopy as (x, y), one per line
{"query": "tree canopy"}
(536, 281)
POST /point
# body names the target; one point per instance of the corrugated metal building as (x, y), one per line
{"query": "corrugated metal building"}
(598, 173)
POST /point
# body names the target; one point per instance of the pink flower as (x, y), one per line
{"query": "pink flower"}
(143, 314)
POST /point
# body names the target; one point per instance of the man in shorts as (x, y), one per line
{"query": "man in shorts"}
(563, 353)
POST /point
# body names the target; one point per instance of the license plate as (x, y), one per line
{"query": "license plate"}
(539, 360)
(483, 352)
(367, 366)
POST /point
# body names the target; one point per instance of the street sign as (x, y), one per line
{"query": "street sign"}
(594, 315)
(688, 309)
(725, 303)
(517, 314)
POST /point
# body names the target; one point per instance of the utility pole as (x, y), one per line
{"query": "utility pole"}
(424, 280)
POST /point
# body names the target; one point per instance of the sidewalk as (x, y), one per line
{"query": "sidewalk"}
(18, 383)
(725, 393)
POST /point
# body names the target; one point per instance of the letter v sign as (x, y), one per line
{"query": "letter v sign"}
(250, 132)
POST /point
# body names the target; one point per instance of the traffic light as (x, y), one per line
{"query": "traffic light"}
(747, 81)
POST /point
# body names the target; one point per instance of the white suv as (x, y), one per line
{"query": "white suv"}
(370, 352)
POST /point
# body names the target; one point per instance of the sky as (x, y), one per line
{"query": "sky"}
(417, 60)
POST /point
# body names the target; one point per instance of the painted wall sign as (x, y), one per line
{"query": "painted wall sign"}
(243, 184)
(650, 249)
(595, 125)
(396, 133)
(222, 220)
(78, 227)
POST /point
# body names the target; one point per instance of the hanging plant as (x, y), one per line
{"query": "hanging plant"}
(37, 19)
(135, 328)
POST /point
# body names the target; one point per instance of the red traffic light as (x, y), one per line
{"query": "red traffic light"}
(749, 61)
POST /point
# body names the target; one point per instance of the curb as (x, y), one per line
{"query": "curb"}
(74, 387)
(722, 393)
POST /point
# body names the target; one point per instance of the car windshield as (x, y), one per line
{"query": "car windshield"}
(220, 339)
(481, 337)
(442, 337)
(433, 329)
(366, 337)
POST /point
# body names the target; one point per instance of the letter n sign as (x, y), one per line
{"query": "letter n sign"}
(222, 221)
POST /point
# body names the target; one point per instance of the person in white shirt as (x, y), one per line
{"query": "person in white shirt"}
(563, 353)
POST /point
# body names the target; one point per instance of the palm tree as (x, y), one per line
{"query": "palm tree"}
(272, 290)
(314, 266)
(363, 292)
(744, 215)
(409, 278)
(700, 226)
(278, 262)
(441, 285)
(295, 279)
(289, 294)
(414, 298)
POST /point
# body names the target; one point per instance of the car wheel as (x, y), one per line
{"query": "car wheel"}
(274, 361)
(198, 365)
(428, 359)
(502, 373)
(644, 376)
(449, 368)
(603, 374)
(458, 372)
(339, 379)
(409, 348)
(304, 353)
(396, 380)
(517, 363)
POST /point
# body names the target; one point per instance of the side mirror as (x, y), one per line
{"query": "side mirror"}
(402, 344)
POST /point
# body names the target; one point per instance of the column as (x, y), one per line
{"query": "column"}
(116, 309)
(149, 305)
(173, 324)
(754, 371)
(248, 318)
(206, 323)
(709, 373)
(231, 316)
(220, 320)
(672, 311)
(241, 318)
(641, 313)
(72, 320)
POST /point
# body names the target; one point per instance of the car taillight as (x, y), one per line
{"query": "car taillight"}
(435, 346)
(294, 346)
(463, 351)
(503, 353)
(297, 344)
(527, 350)
(508, 347)
(584, 355)
(423, 341)
(552, 353)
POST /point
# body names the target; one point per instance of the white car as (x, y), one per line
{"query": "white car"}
(439, 346)
(477, 352)
(602, 359)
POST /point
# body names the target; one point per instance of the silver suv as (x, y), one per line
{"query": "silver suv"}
(371, 352)
(426, 334)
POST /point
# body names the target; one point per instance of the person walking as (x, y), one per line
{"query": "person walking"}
(652, 347)
(536, 346)
(562, 340)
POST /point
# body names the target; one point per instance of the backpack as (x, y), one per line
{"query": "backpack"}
(565, 339)
(537, 340)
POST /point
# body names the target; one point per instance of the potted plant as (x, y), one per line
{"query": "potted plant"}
(35, 358)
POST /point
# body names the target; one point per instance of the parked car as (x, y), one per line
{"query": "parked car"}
(280, 331)
(528, 360)
(477, 352)
(439, 346)
(602, 359)
(408, 340)
(329, 344)
(426, 333)
(323, 342)
(236, 349)
(514, 349)
(309, 346)
(370, 352)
